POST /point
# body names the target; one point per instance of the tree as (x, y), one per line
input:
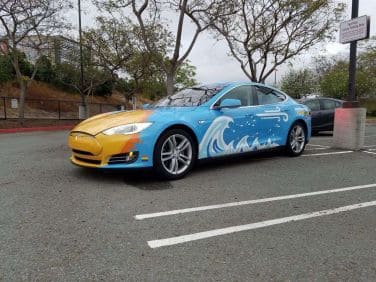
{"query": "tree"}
(263, 34)
(158, 39)
(185, 75)
(28, 24)
(144, 69)
(45, 71)
(334, 82)
(298, 83)
(6, 69)
(106, 51)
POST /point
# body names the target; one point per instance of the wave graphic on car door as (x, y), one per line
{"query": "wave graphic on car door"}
(274, 114)
(214, 144)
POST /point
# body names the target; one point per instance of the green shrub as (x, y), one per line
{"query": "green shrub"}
(105, 89)
(6, 69)
(45, 71)
(370, 105)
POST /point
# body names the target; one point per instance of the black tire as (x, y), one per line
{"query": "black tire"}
(161, 168)
(290, 149)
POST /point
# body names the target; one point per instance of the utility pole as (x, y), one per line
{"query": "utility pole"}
(83, 100)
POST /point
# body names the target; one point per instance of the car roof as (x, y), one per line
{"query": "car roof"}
(319, 98)
(222, 85)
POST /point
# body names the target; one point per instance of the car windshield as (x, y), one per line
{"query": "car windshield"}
(189, 97)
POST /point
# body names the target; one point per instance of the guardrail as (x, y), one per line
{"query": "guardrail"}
(50, 108)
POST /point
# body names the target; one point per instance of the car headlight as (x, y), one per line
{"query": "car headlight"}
(131, 128)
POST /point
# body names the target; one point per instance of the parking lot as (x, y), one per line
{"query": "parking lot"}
(265, 217)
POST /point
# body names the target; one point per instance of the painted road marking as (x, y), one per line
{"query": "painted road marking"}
(372, 153)
(369, 146)
(250, 202)
(233, 229)
(370, 135)
(325, 154)
(315, 149)
(315, 145)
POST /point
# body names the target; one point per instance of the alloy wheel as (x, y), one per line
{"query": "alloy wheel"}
(176, 154)
(297, 139)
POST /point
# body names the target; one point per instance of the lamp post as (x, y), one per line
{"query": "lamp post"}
(275, 77)
(83, 113)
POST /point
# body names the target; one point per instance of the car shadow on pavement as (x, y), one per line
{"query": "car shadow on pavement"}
(238, 160)
(143, 179)
(323, 134)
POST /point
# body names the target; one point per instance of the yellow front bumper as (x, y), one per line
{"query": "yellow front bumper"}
(95, 151)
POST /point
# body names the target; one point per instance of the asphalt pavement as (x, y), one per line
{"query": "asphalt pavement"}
(261, 217)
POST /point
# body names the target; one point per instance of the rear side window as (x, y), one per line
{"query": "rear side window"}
(327, 104)
(267, 95)
(314, 105)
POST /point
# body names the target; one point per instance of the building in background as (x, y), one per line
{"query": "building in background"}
(57, 49)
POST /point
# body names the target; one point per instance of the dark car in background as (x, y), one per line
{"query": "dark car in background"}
(322, 110)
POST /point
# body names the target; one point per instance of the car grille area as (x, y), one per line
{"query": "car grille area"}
(125, 158)
(89, 161)
(82, 152)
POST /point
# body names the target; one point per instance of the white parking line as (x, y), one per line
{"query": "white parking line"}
(315, 145)
(325, 154)
(372, 153)
(369, 146)
(370, 135)
(217, 232)
(250, 202)
(315, 149)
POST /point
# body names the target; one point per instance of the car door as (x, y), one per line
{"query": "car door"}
(316, 116)
(271, 117)
(229, 132)
(327, 111)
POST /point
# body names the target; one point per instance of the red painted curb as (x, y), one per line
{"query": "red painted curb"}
(29, 129)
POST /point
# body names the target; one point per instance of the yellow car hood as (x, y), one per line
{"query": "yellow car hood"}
(98, 123)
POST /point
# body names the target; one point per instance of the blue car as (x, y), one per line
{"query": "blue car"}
(201, 122)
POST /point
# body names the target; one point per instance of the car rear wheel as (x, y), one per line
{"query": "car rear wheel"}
(296, 140)
(174, 154)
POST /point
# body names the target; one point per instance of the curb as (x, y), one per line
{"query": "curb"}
(31, 129)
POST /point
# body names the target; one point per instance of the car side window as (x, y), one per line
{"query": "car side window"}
(267, 95)
(314, 105)
(242, 93)
(338, 104)
(327, 104)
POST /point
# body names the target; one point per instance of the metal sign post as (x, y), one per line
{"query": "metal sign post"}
(350, 32)
(350, 121)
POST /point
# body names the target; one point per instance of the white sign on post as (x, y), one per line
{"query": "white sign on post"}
(354, 29)
(14, 103)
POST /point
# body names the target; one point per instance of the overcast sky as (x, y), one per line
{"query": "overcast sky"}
(211, 57)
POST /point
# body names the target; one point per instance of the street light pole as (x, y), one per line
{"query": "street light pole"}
(83, 100)
(275, 77)
(352, 65)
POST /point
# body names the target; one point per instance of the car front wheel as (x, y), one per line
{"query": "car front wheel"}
(296, 140)
(174, 154)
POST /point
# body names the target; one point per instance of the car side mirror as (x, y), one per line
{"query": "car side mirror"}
(230, 103)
